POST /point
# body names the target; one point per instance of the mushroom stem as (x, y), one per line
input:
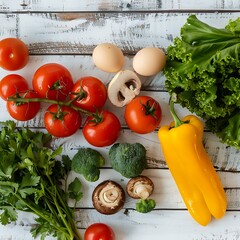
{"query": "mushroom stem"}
(142, 190)
(109, 196)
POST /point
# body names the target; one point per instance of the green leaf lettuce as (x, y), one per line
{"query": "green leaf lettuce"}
(203, 69)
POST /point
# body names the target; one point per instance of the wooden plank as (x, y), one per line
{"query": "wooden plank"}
(165, 193)
(131, 225)
(70, 33)
(116, 5)
(8, 26)
(222, 156)
(166, 224)
(81, 66)
(170, 212)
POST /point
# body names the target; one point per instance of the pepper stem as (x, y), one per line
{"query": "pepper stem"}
(177, 121)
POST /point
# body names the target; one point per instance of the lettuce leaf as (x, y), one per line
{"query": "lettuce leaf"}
(203, 69)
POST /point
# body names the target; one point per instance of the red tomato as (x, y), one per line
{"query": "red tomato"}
(104, 133)
(11, 84)
(24, 111)
(52, 81)
(99, 231)
(62, 121)
(143, 114)
(92, 93)
(13, 54)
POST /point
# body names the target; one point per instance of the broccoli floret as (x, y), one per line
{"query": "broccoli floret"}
(128, 159)
(87, 162)
(145, 205)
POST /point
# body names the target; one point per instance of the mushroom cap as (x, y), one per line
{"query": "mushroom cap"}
(124, 87)
(108, 197)
(140, 187)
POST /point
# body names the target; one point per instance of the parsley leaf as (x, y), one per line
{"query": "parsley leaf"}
(31, 180)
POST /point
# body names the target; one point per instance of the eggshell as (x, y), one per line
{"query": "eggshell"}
(108, 57)
(149, 61)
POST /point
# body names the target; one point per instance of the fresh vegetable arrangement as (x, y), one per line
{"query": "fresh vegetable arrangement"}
(32, 180)
(40, 190)
(203, 69)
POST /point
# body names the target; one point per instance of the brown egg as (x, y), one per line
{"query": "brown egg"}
(108, 57)
(149, 61)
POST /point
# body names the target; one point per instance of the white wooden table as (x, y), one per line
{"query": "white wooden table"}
(66, 31)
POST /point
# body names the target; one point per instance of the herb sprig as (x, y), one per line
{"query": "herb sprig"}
(33, 180)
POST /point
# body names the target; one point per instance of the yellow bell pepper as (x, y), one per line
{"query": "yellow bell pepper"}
(192, 169)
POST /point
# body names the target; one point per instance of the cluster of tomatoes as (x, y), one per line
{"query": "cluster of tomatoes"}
(68, 100)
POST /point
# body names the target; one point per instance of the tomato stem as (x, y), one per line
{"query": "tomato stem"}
(97, 118)
(79, 95)
(150, 110)
(51, 101)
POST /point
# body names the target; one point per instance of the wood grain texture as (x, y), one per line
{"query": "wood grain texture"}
(82, 65)
(70, 33)
(223, 157)
(116, 5)
(164, 224)
(8, 26)
(165, 194)
(130, 225)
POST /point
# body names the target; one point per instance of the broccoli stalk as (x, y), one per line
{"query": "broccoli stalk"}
(128, 159)
(87, 162)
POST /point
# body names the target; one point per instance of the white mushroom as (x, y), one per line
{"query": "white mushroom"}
(124, 87)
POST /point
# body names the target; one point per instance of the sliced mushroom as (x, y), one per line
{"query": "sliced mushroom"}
(140, 187)
(124, 87)
(108, 197)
